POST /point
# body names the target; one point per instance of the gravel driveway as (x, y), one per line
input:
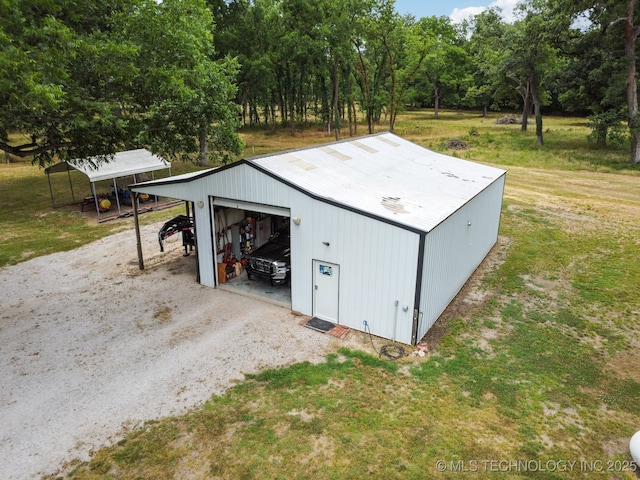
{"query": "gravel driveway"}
(91, 347)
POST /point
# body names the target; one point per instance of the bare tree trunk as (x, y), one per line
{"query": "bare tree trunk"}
(436, 99)
(393, 92)
(631, 35)
(203, 138)
(367, 88)
(292, 103)
(526, 97)
(336, 92)
(244, 114)
(350, 116)
(292, 120)
(355, 117)
(537, 109)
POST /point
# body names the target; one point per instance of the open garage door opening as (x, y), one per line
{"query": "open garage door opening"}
(253, 251)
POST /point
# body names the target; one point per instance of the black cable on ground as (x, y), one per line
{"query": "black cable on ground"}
(391, 351)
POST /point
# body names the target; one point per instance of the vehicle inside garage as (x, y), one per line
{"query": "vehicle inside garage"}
(253, 252)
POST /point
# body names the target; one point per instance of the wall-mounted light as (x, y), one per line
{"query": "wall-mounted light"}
(326, 244)
(296, 220)
(200, 204)
(469, 223)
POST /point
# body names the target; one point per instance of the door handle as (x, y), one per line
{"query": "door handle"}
(316, 286)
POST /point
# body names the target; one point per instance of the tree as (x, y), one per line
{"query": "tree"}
(631, 32)
(408, 44)
(336, 33)
(90, 78)
(619, 24)
(446, 66)
(488, 28)
(593, 81)
(185, 95)
(64, 79)
(541, 58)
(245, 31)
(527, 58)
(371, 64)
(390, 30)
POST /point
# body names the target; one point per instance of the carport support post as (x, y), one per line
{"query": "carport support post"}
(73, 197)
(95, 197)
(115, 189)
(53, 204)
(134, 202)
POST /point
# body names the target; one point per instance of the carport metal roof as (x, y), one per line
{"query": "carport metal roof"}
(123, 164)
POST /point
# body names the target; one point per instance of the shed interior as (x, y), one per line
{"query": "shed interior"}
(242, 235)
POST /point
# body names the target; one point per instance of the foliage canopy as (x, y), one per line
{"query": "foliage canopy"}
(93, 77)
(89, 78)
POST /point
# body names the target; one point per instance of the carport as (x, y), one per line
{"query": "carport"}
(123, 164)
(232, 223)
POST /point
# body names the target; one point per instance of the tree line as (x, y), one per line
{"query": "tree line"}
(180, 76)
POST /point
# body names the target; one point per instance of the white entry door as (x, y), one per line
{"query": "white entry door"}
(326, 281)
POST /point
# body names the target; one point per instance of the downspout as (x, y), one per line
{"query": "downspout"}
(416, 302)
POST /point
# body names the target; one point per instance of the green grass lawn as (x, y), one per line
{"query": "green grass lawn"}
(538, 377)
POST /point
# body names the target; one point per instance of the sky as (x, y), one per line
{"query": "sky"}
(456, 10)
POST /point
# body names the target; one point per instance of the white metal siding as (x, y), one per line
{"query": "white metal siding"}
(454, 250)
(378, 265)
(181, 191)
(378, 261)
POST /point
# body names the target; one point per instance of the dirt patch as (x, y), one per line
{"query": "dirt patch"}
(626, 364)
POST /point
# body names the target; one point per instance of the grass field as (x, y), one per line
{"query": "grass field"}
(538, 376)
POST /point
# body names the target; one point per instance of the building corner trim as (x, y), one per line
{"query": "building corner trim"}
(417, 297)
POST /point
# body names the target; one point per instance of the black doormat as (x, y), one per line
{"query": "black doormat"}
(319, 325)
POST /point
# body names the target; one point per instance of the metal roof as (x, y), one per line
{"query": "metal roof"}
(131, 162)
(381, 175)
(385, 176)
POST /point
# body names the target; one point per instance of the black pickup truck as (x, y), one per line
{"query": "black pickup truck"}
(271, 260)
